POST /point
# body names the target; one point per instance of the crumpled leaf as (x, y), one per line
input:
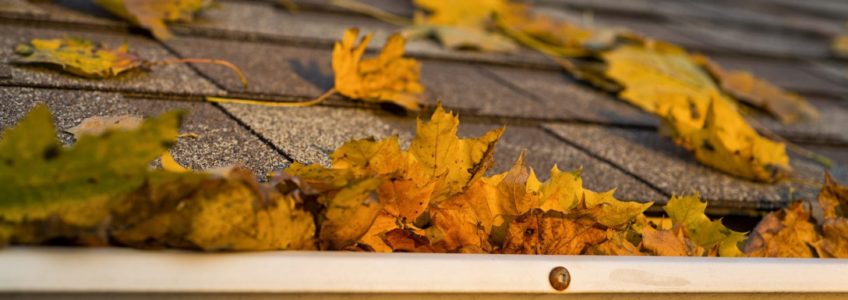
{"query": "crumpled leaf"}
(687, 212)
(788, 107)
(152, 14)
(43, 182)
(784, 233)
(833, 199)
(211, 213)
(463, 221)
(671, 242)
(349, 214)
(79, 56)
(389, 77)
(552, 232)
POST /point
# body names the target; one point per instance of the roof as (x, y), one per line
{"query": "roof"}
(286, 57)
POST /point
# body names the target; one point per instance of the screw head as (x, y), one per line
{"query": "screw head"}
(559, 278)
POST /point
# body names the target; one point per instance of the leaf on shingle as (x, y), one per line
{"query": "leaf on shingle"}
(663, 80)
(388, 77)
(726, 142)
(153, 14)
(79, 56)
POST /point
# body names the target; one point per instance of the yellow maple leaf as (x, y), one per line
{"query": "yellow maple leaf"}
(687, 212)
(612, 212)
(451, 161)
(389, 77)
(660, 79)
(152, 14)
(663, 80)
(80, 57)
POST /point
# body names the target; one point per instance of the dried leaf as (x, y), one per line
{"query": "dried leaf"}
(79, 56)
(459, 13)
(687, 212)
(349, 214)
(786, 106)
(152, 14)
(833, 199)
(613, 212)
(557, 38)
(662, 79)
(727, 143)
(462, 221)
(72, 187)
(538, 232)
(669, 243)
(211, 213)
(784, 233)
(451, 161)
(389, 77)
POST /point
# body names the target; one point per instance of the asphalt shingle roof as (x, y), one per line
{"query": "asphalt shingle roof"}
(286, 57)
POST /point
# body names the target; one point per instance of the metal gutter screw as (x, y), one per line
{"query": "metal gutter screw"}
(559, 278)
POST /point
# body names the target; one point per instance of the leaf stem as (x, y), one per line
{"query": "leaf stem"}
(224, 63)
(312, 102)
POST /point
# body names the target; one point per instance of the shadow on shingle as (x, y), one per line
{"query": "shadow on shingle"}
(310, 71)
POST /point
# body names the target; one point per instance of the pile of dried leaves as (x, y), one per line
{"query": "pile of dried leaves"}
(433, 196)
(696, 99)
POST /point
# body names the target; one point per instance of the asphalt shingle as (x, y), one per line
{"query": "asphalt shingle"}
(674, 171)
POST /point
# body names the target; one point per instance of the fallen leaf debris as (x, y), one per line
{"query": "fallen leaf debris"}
(433, 196)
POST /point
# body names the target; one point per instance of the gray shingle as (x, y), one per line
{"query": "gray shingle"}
(674, 171)
(794, 76)
(828, 128)
(271, 69)
(561, 97)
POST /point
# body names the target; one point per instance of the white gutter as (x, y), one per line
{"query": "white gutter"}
(117, 270)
